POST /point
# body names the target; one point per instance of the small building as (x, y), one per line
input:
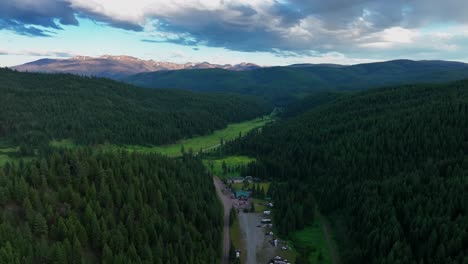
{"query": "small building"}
(249, 179)
(236, 180)
(242, 194)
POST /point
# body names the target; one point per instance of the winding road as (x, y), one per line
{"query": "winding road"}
(227, 205)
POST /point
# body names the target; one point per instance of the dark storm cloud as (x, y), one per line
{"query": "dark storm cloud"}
(25, 17)
(30, 17)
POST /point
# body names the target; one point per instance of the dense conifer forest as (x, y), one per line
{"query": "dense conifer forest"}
(391, 163)
(39, 107)
(88, 207)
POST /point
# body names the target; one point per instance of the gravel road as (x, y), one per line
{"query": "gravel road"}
(258, 248)
(227, 204)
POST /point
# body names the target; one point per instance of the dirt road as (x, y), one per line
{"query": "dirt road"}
(227, 204)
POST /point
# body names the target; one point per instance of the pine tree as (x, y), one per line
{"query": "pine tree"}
(39, 225)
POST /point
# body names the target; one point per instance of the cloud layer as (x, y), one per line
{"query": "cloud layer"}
(284, 27)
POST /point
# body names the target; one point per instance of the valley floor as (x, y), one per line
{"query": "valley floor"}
(203, 143)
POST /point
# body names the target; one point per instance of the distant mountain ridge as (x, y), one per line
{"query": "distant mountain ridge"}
(118, 67)
(282, 85)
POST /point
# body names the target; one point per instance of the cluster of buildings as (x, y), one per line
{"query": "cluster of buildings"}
(240, 179)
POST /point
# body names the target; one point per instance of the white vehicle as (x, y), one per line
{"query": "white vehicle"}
(266, 212)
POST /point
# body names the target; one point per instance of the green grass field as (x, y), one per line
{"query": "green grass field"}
(204, 143)
(7, 152)
(259, 206)
(215, 165)
(4, 159)
(312, 239)
(213, 140)
(239, 186)
(64, 143)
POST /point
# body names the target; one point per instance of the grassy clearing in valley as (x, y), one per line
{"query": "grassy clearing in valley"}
(240, 186)
(215, 166)
(4, 159)
(260, 205)
(8, 152)
(213, 140)
(312, 239)
(204, 143)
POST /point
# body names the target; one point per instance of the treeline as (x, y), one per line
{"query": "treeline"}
(86, 207)
(36, 108)
(393, 163)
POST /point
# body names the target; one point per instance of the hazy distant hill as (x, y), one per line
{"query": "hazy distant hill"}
(117, 67)
(283, 84)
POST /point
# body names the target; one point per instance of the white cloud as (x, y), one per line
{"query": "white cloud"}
(390, 37)
(39, 53)
(301, 27)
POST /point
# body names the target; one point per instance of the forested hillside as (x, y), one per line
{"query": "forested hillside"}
(38, 107)
(391, 163)
(87, 207)
(282, 85)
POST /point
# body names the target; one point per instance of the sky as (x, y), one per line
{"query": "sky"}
(265, 32)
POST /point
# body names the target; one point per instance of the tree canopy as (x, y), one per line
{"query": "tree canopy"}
(39, 107)
(392, 162)
(83, 206)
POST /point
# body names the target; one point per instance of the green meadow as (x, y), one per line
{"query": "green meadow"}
(204, 143)
(264, 185)
(8, 152)
(5, 157)
(215, 166)
(312, 239)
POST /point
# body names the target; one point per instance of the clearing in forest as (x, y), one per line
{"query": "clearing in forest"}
(204, 143)
(316, 241)
(229, 166)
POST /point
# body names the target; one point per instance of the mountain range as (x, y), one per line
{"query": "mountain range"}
(279, 85)
(282, 85)
(118, 67)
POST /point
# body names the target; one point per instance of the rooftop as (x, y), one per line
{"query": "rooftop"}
(242, 193)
